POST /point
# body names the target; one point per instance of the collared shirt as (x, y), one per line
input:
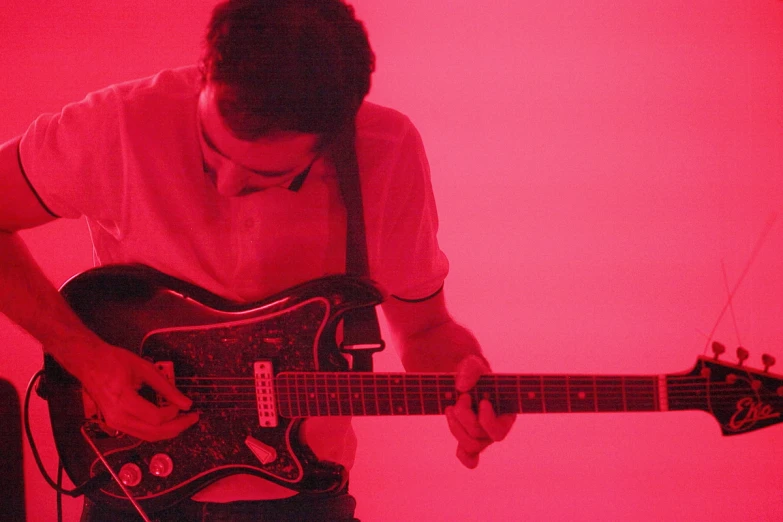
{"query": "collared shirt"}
(128, 158)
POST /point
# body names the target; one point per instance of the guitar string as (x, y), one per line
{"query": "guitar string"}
(716, 390)
(502, 397)
(413, 377)
(282, 386)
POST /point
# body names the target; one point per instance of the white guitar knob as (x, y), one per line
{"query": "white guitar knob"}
(161, 465)
(130, 475)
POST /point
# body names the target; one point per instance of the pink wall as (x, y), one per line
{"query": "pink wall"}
(595, 165)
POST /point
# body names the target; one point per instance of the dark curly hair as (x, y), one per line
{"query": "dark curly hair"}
(287, 65)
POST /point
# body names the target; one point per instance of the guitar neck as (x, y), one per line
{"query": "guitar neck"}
(309, 394)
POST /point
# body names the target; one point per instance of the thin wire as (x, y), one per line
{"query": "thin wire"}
(730, 298)
(754, 254)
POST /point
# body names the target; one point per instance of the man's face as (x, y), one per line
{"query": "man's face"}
(239, 167)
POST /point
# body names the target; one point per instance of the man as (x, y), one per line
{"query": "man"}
(222, 176)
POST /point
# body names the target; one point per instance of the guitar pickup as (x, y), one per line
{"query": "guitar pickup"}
(265, 394)
(166, 368)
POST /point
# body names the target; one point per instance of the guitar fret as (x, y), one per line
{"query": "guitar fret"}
(397, 399)
(496, 403)
(446, 391)
(323, 389)
(625, 397)
(520, 409)
(323, 394)
(350, 393)
(284, 404)
(429, 395)
(381, 397)
(392, 406)
(308, 399)
(656, 402)
(335, 395)
(307, 395)
(582, 393)
(313, 393)
(611, 397)
(483, 391)
(530, 395)
(362, 395)
(344, 398)
(643, 394)
(556, 396)
(437, 394)
(298, 395)
(414, 402)
(368, 380)
(421, 395)
(405, 395)
(294, 398)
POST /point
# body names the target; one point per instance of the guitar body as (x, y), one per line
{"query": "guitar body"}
(213, 346)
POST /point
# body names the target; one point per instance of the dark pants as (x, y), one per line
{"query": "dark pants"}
(299, 508)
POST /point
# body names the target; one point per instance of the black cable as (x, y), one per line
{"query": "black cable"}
(76, 491)
(59, 495)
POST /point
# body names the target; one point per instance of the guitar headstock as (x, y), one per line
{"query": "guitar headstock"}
(741, 399)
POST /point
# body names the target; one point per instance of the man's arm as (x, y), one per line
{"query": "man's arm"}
(429, 340)
(110, 375)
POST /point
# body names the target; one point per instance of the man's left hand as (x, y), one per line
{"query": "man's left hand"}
(474, 432)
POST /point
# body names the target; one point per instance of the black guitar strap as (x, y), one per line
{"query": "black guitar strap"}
(361, 333)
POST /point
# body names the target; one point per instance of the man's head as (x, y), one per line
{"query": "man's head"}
(283, 66)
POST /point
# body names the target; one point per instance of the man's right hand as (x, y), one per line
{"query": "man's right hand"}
(113, 376)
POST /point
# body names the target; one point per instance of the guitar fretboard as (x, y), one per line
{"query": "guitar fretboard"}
(310, 394)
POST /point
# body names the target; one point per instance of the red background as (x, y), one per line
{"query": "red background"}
(595, 165)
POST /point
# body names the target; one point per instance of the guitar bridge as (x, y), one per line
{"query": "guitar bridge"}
(265, 394)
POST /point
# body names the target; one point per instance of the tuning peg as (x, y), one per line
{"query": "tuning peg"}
(717, 349)
(742, 355)
(768, 361)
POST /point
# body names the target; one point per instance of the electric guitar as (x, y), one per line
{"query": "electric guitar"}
(255, 371)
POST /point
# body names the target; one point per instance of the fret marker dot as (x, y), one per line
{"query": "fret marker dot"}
(312, 396)
(332, 395)
(531, 395)
(485, 395)
(581, 395)
(448, 395)
(399, 409)
(355, 395)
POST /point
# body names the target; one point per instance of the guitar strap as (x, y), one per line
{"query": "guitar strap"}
(361, 333)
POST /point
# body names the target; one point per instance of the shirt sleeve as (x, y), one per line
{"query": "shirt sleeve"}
(73, 159)
(409, 263)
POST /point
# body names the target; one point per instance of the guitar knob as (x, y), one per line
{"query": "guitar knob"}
(717, 349)
(161, 465)
(742, 355)
(130, 474)
(768, 361)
